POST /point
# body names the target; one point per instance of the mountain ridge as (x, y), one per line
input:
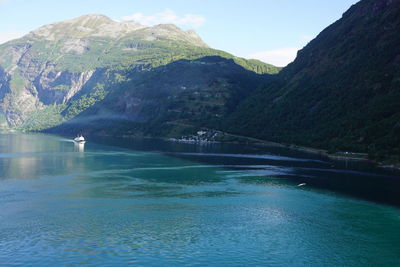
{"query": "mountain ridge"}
(98, 25)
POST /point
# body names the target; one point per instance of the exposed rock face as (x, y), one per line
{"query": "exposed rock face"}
(16, 53)
(17, 108)
(75, 45)
(4, 83)
(28, 84)
(57, 87)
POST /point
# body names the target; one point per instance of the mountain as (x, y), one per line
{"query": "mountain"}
(100, 76)
(100, 26)
(171, 100)
(44, 72)
(342, 93)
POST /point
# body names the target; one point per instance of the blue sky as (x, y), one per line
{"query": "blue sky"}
(269, 30)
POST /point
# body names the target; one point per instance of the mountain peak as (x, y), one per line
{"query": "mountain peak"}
(94, 16)
(91, 19)
(91, 25)
(98, 25)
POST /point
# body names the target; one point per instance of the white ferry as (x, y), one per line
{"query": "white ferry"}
(80, 139)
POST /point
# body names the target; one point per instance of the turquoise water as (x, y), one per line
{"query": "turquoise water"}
(154, 203)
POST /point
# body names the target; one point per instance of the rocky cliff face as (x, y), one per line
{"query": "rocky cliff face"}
(57, 87)
(28, 84)
(4, 83)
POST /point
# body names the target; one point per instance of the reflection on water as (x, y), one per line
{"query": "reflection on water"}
(62, 204)
(80, 147)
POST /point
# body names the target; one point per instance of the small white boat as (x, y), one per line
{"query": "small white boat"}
(80, 139)
(302, 184)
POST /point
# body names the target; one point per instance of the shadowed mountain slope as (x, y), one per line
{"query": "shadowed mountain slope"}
(342, 92)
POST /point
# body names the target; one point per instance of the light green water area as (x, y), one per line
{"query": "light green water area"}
(155, 203)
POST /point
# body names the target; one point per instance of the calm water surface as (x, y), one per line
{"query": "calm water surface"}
(154, 203)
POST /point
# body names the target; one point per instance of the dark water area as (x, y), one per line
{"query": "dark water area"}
(121, 202)
(355, 178)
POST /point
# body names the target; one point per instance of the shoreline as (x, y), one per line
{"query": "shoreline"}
(342, 156)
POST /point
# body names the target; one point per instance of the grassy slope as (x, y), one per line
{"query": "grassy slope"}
(121, 53)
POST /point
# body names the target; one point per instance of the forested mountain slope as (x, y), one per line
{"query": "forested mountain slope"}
(342, 92)
(179, 98)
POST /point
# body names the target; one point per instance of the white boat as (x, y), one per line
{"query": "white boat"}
(79, 139)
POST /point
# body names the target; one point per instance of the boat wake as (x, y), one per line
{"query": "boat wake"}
(66, 140)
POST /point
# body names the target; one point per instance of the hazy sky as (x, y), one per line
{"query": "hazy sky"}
(269, 30)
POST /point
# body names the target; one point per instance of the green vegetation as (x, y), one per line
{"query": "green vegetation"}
(3, 121)
(17, 82)
(62, 87)
(85, 101)
(170, 100)
(340, 94)
(106, 52)
(44, 118)
(256, 65)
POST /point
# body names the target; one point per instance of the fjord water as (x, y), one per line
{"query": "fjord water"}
(156, 203)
